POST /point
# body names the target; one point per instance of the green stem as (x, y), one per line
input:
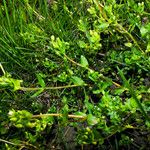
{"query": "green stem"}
(102, 77)
(49, 88)
(1, 140)
(58, 115)
(120, 27)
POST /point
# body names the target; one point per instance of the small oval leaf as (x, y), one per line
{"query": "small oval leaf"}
(77, 81)
(92, 120)
(84, 61)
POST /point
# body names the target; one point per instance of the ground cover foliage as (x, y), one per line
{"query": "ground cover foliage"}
(74, 74)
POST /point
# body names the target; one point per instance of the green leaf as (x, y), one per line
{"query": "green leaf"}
(119, 91)
(103, 26)
(77, 81)
(93, 75)
(16, 83)
(82, 25)
(89, 105)
(97, 91)
(84, 61)
(133, 103)
(94, 36)
(148, 47)
(82, 44)
(128, 44)
(92, 11)
(40, 80)
(92, 120)
(143, 31)
(132, 92)
(37, 93)
(6, 82)
(80, 114)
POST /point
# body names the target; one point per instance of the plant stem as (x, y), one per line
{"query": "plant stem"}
(120, 27)
(58, 115)
(77, 63)
(21, 145)
(1, 140)
(49, 88)
(102, 77)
